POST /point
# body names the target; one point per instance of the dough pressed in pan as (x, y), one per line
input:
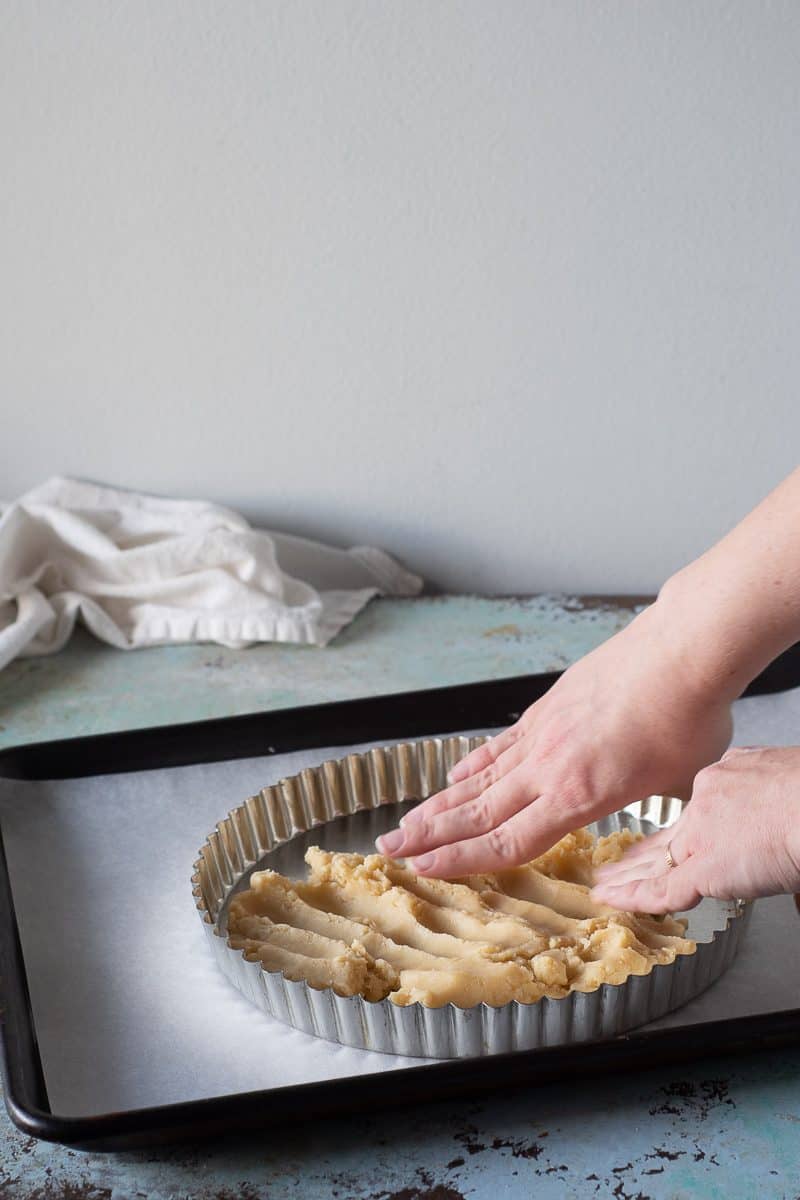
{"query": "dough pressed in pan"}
(370, 925)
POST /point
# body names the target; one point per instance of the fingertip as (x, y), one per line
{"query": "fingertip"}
(390, 843)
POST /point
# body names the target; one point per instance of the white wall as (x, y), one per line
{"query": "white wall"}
(511, 288)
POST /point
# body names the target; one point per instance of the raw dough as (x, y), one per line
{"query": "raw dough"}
(370, 925)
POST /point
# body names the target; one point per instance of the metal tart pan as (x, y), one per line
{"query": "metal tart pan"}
(344, 804)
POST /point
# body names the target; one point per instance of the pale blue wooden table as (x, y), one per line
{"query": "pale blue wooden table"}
(721, 1128)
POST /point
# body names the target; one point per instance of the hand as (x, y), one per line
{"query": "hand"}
(737, 838)
(630, 719)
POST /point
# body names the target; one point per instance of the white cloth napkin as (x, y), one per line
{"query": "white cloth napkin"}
(142, 571)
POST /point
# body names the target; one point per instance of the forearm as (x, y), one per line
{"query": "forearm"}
(737, 607)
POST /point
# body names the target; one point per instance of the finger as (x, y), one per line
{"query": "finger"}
(659, 838)
(469, 788)
(419, 828)
(651, 861)
(677, 838)
(472, 818)
(483, 756)
(646, 857)
(519, 839)
(623, 872)
(674, 891)
(644, 848)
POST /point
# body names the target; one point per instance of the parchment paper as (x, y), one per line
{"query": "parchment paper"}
(130, 1008)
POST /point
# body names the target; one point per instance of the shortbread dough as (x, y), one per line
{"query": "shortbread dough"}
(370, 925)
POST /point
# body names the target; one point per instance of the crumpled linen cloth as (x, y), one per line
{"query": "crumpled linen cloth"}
(142, 571)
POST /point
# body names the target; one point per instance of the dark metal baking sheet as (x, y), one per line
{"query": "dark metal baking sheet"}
(387, 718)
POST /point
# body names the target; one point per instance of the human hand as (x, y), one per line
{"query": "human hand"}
(630, 719)
(737, 838)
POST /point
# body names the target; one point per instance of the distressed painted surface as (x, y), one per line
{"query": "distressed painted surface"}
(723, 1128)
(720, 1129)
(393, 645)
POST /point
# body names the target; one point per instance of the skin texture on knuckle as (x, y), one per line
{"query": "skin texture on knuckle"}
(486, 777)
(504, 844)
(435, 807)
(480, 812)
(446, 800)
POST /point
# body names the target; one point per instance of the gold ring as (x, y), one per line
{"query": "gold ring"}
(668, 855)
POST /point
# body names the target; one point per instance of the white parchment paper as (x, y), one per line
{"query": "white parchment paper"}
(129, 1007)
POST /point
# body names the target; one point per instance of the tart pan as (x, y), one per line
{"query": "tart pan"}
(344, 804)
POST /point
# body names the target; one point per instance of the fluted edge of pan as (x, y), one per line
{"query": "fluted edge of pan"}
(388, 775)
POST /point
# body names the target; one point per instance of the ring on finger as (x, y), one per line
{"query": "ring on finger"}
(668, 856)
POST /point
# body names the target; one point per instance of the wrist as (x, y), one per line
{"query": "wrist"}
(691, 644)
(717, 641)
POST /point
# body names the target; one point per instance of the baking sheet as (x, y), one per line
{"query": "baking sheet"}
(129, 1006)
